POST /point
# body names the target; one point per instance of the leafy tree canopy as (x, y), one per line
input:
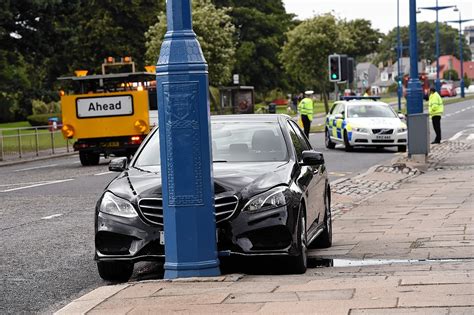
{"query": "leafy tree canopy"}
(261, 28)
(448, 42)
(214, 34)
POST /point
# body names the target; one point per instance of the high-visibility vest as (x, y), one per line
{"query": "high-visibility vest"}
(305, 107)
(435, 105)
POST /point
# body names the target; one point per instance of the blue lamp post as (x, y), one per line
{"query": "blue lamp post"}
(436, 8)
(460, 21)
(399, 81)
(186, 164)
(414, 91)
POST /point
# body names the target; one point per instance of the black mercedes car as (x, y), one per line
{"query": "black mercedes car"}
(272, 197)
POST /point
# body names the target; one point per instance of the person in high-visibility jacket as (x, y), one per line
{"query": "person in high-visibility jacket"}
(436, 109)
(306, 108)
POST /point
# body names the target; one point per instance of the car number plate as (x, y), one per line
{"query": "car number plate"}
(114, 144)
(380, 137)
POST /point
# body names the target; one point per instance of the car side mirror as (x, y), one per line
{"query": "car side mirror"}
(338, 116)
(118, 164)
(313, 158)
(401, 116)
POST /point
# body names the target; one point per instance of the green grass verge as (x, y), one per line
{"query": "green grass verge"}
(30, 140)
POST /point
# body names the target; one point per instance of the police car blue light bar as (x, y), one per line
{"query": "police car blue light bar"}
(351, 98)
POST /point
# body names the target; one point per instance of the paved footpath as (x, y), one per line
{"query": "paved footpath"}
(403, 244)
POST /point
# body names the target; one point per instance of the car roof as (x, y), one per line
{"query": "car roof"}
(250, 117)
(362, 102)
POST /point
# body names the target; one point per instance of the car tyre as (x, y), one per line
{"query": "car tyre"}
(327, 141)
(402, 148)
(325, 239)
(84, 158)
(89, 158)
(115, 271)
(299, 263)
(347, 145)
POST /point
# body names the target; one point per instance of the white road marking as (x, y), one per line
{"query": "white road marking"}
(470, 137)
(456, 136)
(39, 184)
(52, 216)
(34, 168)
(19, 184)
(104, 173)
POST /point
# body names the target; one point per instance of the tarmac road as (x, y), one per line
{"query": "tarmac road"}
(47, 220)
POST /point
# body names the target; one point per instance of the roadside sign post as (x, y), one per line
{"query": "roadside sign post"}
(186, 158)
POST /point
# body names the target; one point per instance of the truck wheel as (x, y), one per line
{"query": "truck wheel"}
(94, 158)
(115, 271)
(84, 157)
(89, 158)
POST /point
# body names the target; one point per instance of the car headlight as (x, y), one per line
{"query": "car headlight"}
(274, 198)
(361, 130)
(402, 129)
(114, 205)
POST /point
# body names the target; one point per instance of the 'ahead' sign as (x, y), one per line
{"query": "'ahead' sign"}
(104, 106)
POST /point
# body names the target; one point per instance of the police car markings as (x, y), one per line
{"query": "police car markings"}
(52, 216)
(35, 167)
(36, 185)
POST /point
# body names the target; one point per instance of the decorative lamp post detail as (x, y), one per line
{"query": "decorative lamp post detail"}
(185, 150)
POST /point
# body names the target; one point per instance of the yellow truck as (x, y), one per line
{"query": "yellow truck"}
(108, 114)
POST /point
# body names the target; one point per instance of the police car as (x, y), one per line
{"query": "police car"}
(364, 121)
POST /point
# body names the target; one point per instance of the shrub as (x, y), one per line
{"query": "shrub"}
(39, 107)
(42, 119)
(451, 74)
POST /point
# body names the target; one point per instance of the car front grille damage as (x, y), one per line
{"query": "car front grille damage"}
(152, 209)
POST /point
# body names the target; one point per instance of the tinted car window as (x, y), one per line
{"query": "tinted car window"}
(296, 142)
(236, 142)
(150, 154)
(248, 142)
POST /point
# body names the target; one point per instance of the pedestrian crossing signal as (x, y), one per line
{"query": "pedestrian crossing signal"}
(334, 68)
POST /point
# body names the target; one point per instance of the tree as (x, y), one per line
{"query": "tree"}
(214, 34)
(305, 54)
(451, 74)
(260, 36)
(448, 42)
(359, 37)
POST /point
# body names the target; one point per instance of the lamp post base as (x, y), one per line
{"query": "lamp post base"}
(188, 270)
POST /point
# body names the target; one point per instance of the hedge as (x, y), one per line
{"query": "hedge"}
(42, 119)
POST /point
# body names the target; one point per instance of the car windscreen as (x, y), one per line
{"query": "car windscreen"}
(231, 142)
(370, 110)
(248, 142)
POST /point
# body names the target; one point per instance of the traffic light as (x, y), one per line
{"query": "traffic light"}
(350, 69)
(344, 69)
(334, 68)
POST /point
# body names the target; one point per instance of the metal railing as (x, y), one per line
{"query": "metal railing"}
(27, 142)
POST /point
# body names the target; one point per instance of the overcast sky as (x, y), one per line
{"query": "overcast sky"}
(382, 13)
